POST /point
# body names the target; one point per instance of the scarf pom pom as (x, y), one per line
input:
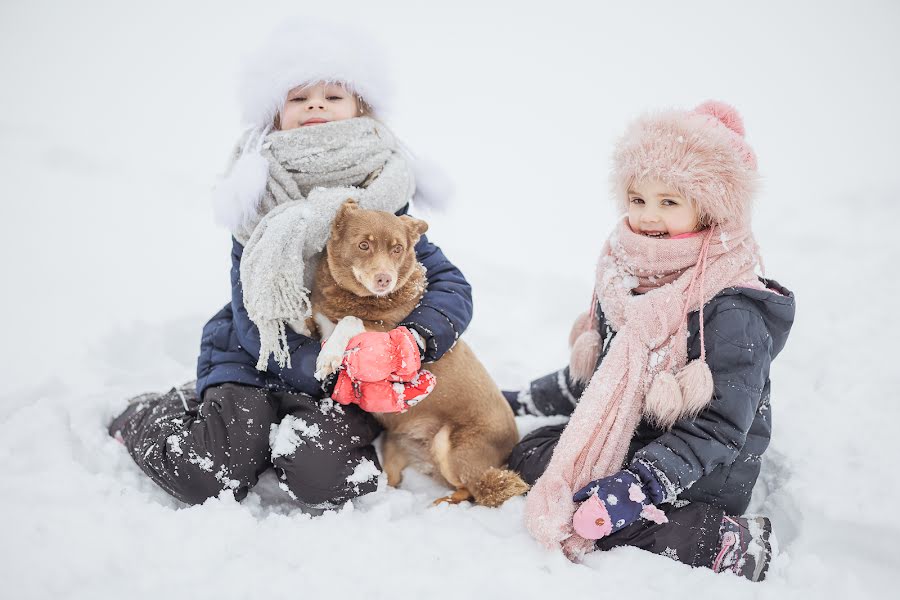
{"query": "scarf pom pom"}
(585, 352)
(236, 197)
(695, 381)
(684, 394)
(663, 403)
(581, 325)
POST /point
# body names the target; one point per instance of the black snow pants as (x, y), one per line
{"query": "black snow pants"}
(322, 452)
(691, 536)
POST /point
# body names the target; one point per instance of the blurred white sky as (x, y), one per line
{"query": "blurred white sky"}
(115, 118)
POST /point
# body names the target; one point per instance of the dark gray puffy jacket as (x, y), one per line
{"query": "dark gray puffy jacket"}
(714, 457)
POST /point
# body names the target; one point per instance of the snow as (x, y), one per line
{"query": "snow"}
(175, 443)
(115, 119)
(290, 433)
(363, 472)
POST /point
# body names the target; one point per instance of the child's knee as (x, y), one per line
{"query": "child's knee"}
(321, 478)
(195, 464)
(198, 487)
(181, 472)
(324, 457)
(530, 457)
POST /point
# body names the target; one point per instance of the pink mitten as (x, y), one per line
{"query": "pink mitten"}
(592, 520)
(377, 356)
(380, 372)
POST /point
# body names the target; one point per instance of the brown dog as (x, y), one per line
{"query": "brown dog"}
(464, 431)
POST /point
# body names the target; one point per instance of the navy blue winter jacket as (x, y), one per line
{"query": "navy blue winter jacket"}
(229, 347)
(715, 456)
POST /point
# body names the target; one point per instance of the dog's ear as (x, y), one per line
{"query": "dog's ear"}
(340, 219)
(414, 228)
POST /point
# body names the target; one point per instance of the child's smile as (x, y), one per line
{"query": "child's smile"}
(657, 212)
(316, 104)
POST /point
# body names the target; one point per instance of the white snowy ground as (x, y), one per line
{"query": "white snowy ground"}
(114, 120)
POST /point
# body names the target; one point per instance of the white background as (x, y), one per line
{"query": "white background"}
(116, 117)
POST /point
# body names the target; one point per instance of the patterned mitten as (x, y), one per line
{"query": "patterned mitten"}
(615, 502)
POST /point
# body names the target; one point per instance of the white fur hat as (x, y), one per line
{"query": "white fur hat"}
(303, 51)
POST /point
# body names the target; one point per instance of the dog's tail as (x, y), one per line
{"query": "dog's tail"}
(496, 486)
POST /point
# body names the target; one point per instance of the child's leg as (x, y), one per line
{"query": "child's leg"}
(701, 535)
(323, 451)
(691, 536)
(553, 394)
(195, 450)
(696, 533)
(530, 457)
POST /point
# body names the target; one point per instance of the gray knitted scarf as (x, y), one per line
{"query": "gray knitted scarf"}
(312, 171)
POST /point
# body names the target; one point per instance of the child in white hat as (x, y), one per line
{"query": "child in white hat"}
(311, 99)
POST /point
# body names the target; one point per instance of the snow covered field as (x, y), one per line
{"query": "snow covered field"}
(115, 118)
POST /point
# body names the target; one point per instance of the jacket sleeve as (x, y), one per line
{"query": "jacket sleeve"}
(303, 349)
(446, 308)
(738, 353)
(559, 393)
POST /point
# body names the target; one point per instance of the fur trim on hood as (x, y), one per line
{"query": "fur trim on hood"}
(306, 51)
(701, 153)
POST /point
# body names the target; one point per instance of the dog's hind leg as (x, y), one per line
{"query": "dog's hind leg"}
(472, 465)
(440, 450)
(395, 460)
(460, 495)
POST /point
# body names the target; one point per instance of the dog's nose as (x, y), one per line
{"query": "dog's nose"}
(383, 280)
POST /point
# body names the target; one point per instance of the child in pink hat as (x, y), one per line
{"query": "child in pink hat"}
(668, 384)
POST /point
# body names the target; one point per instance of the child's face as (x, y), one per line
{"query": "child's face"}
(656, 211)
(317, 103)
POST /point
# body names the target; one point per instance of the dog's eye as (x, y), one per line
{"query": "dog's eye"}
(398, 249)
(364, 245)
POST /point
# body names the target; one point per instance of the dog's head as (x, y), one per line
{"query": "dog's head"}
(370, 252)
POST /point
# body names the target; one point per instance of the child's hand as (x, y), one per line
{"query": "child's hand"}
(612, 503)
(384, 396)
(378, 356)
(380, 372)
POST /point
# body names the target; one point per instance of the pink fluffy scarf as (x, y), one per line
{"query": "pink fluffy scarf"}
(645, 365)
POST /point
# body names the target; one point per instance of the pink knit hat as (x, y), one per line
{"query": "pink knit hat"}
(701, 153)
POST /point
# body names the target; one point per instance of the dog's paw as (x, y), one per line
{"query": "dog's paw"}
(327, 364)
(332, 354)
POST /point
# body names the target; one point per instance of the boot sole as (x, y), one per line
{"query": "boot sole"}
(766, 525)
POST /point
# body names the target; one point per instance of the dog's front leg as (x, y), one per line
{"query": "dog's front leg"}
(332, 353)
(324, 325)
